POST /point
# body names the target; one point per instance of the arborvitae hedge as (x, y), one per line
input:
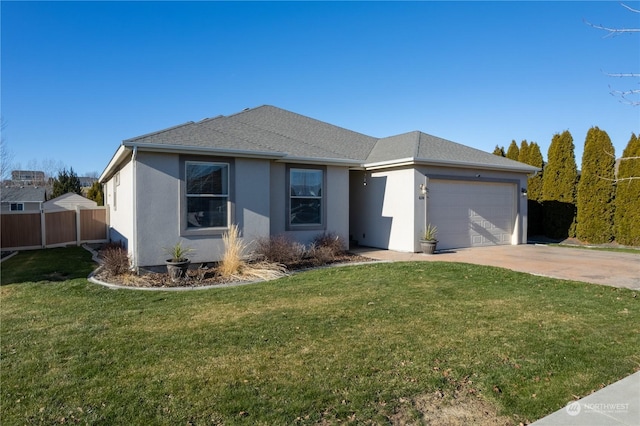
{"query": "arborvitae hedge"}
(534, 191)
(559, 187)
(627, 214)
(513, 152)
(596, 190)
(523, 154)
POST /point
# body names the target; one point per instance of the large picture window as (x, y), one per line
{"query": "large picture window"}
(207, 192)
(305, 196)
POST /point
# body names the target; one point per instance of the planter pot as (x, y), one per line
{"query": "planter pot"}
(428, 247)
(177, 270)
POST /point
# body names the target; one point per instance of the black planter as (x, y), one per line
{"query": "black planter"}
(428, 247)
(177, 270)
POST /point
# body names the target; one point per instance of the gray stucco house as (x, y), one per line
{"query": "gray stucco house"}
(272, 171)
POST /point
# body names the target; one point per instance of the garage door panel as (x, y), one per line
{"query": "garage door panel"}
(471, 213)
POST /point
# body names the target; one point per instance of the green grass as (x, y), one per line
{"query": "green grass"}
(343, 344)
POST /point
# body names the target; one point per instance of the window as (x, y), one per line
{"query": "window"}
(207, 193)
(17, 207)
(305, 196)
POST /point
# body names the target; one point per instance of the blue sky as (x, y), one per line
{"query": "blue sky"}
(79, 77)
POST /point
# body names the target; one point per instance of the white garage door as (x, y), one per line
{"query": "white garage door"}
(470, 214)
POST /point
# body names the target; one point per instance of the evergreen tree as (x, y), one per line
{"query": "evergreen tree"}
(513, 152)
(66, 182)
(499, 151)
(627, 214)
(534, 192)
(559, 187)
(96, 194)
(523, 154)
(596, 190)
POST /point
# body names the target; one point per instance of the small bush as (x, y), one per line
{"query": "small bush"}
(329, 242)
(115, 259)
(232, 261)
(279, 249)
(320, 255)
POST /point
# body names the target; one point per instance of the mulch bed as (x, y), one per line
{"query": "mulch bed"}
(207, 276)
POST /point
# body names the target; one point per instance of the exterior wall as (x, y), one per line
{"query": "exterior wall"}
(384, 212)
(387, 211)
(29, 206)
(252, 198)
(336, 209)
(480, 175)
(118, 198)
(159, 197)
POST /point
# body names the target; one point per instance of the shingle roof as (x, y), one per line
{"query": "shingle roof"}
(14, 194)
(268, 129)
(422, 147)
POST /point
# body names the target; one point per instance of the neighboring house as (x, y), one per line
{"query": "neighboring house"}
(68, 201)
(27, 177)
(274, 172)
(22, 199)
(86, 181)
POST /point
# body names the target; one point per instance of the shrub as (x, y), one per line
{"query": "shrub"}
(330, 241)
(320, 255)
(279, 249)
(232, 261)
(115, 259)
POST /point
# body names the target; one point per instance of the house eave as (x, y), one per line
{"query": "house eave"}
(447, 163)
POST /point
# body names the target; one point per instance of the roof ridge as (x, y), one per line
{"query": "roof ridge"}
(295, 139)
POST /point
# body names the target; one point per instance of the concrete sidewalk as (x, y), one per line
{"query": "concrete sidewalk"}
(617, 404)
(614, 269)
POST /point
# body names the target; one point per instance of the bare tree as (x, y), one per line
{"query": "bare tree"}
(629, 96)
(6, 156)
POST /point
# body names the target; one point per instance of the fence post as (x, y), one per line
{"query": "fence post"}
(78, 226)
(43, 228)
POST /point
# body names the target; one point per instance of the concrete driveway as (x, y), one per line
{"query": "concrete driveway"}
(593, 266)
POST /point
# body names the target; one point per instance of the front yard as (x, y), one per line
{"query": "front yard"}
(380, 343)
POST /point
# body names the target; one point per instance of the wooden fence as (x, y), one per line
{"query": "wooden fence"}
(27, 231)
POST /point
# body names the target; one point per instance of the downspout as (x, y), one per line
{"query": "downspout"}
(134, 155)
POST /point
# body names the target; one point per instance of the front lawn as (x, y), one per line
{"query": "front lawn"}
(379, 343)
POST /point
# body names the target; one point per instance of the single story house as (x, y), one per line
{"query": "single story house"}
(22, 198)
(68, 201)
(272, 171)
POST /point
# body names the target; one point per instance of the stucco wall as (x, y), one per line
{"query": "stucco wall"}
(336, 209)
(386, 210)
(159, 224)
(383, 211)
(119, 201)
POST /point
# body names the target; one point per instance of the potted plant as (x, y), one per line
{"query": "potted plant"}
(428, 241)
(178, 264)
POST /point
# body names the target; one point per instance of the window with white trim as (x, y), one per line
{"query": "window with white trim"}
(207, 194)
(17, 207)
(305, 197)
